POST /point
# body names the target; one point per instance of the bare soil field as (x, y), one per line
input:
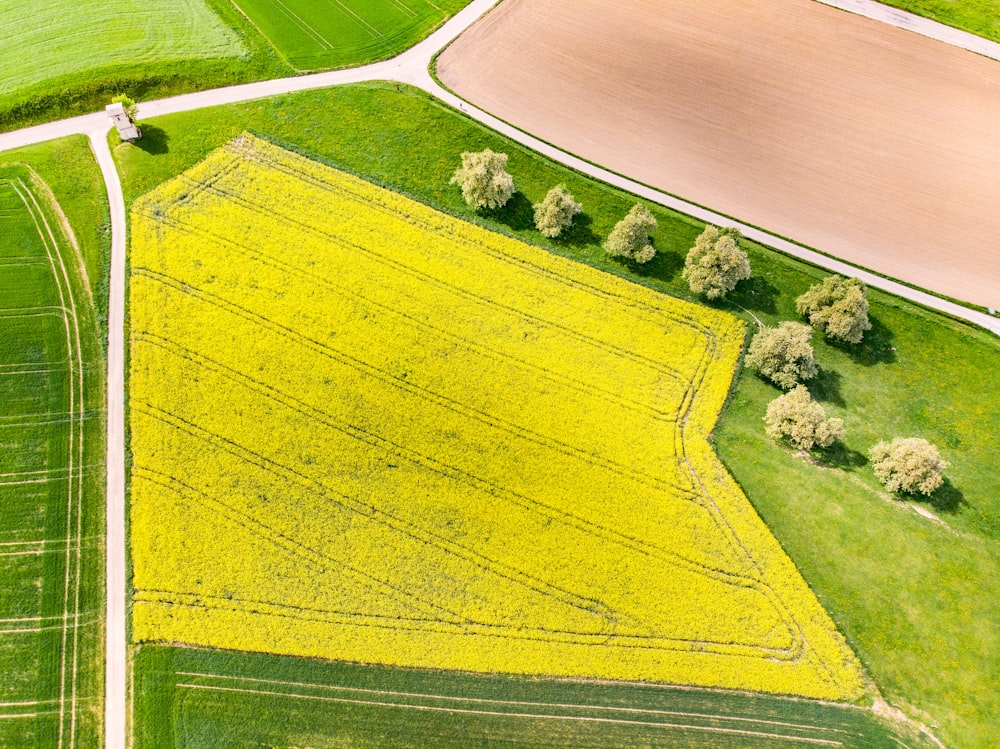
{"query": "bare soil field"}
(864, 141)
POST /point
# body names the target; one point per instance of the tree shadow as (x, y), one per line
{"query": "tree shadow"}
(578, 234)
(875, 348)
(663, 266)
(825, 386)
(517, 213)
(154, 140)
(947, 499)
(839, 455)
(755, 293)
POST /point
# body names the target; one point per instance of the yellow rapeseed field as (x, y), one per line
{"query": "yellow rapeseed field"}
(365, 430)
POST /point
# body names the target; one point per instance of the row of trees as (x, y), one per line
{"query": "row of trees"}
(487, 185)
(784, 355)
(714, 266)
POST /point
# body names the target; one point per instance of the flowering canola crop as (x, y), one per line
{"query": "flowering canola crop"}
(365, 430)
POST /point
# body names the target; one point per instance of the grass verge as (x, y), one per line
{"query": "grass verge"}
(916, 371)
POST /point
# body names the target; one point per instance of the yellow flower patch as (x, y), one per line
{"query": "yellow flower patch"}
(365, 430)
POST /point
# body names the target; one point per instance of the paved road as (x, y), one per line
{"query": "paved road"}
(410, 67)
(115, 672)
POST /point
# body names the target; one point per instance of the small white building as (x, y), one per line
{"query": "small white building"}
(126, 128)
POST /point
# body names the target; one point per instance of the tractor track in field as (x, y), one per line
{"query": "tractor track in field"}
(411, 67)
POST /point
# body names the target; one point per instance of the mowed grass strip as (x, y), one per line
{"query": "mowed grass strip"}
(49, 620)
(322, 34)
(40, 41)
(201, 698)
(419, 439)
(917, 373)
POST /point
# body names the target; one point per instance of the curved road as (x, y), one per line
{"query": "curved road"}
(410, 67)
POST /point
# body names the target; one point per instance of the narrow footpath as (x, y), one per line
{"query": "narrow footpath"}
(410, 67)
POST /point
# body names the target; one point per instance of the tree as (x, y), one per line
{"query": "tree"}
(796, 418)
(716, 263)
(129, 105)
(484, 179)
(630, 237)
(556, 212)
(783, 354)
(838, 307)
(908, 464)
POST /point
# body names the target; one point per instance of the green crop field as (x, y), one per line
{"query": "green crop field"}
(980, 17)
(218, 699)
(43, 41)
(320, 34)
(51, 474)
(917, 371)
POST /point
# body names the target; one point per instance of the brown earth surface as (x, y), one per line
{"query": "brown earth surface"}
(861, 140)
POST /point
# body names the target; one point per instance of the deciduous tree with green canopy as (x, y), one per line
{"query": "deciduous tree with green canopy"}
(556, 211)
(838, 307)
(908, 464)
(630, 237)
(716, 263)
(783, 354)
(484, 179)
(799, 420)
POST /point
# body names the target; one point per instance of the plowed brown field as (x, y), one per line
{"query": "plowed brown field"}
(864, 141)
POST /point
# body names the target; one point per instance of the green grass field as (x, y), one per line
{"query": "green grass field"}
(216, 699)
(41, 41)
(319, 34)
(911, 621)
(191, 45)
(981, 17)
(63, 57)
(67, 166)
(51, 474)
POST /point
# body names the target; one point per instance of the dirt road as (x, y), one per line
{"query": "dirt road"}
(875, 144)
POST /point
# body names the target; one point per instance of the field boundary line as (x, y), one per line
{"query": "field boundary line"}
(529, 716)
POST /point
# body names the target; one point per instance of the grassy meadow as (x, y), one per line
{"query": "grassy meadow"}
(51, 470)
(365, 430)
(935, 376)
(43, 41)
(318, 35)
(68, 169)
(71, 58)
(62, 58)
(201, 698)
